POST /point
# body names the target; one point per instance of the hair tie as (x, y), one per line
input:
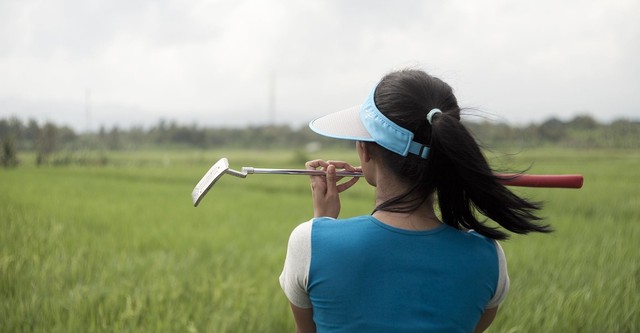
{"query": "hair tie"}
(431, 113)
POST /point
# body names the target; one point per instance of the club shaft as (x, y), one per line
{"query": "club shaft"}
(524, 180)
(302, 172)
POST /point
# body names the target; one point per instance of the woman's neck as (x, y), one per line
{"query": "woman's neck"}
(423, 218)
(388, 187)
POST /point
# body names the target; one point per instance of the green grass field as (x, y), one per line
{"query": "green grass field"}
(121, 248)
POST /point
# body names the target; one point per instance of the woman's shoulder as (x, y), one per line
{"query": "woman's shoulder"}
(471, 239)
(304, 229)
(342, 224)
(343, 220)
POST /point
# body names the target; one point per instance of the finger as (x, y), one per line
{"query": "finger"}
(349, 167)
(346, 185)
(331, 180)
(315, 164)
(341, 165)
(318, 187)
(311, 165)
(318, 183)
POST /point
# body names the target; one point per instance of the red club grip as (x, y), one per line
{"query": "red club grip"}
(559, 181)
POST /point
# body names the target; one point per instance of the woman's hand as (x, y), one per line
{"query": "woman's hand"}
(325, 190)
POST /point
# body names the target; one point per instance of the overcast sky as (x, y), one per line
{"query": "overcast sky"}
(87, 63)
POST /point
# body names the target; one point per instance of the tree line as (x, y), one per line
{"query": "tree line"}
(580, 132)
(48, 138)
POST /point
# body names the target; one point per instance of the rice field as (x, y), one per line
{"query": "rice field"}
(120, 248)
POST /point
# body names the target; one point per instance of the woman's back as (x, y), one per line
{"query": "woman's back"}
(367, 276)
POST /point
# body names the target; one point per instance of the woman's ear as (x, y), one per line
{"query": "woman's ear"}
(363, 151)
(367, 162)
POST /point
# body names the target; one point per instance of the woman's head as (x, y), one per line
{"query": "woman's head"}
(430, 156)
(406, 97)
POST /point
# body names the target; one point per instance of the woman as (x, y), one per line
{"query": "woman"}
(403, 268)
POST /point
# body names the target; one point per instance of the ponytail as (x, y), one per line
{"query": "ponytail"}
(465, 183)
(455, 169)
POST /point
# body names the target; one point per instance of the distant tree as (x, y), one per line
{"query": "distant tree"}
(583, 122)
(4, 128)
(136, 137)
(66, 136)
(8, 154)
(11, 128)
(47, 143)
(114, 139)
(15, 127)
(552, 130)
(31, 134)
(197, 137)
(624, 133)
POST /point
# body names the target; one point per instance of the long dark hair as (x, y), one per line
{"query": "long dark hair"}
(455, 169)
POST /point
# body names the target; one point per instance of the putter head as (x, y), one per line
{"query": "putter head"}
(210, 178)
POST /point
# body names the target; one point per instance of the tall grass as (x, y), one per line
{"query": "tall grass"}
(121, 248)
(584, 277)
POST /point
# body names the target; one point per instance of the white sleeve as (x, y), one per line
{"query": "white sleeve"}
(503, 280)
(295, 274)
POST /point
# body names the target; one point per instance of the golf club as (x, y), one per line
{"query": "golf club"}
(221, 168)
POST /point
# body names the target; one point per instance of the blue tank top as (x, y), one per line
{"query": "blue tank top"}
(366, 276)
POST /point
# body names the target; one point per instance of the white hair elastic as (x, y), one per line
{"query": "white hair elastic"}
(431, 113)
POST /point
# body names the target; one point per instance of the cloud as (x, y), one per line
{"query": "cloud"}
(215, 61)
